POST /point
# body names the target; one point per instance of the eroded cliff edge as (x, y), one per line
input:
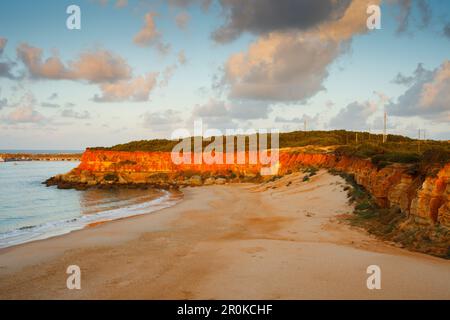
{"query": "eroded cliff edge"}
(425, 199)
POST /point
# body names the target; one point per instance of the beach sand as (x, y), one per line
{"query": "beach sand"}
(279, 240)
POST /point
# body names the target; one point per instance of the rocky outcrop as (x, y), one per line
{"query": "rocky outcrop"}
(432, 198)
(426, 200)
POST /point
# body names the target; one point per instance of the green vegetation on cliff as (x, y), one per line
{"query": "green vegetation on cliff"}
(287, 139)
(397, 149)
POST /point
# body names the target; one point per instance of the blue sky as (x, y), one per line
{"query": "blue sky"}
(55, 110)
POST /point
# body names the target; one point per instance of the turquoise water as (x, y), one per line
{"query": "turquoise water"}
(30, 211)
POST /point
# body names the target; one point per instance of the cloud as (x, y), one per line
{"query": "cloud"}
(247, 110)
(425, 12)
(285, 120)
(169, 71)
(280, 67)
(265, 16)
(121, 3)
(6, 66)
(182, 20)
(159, 120)
(378, 124)
(205, 4)
(110, 71)
(137, 89)
(3, 102)
(408, 80)
(309, 120)
(163, 48)
(354, 116)
(150, 36)
(214, 115)
(329, 104)
(27, 99)
(50, 105)
(69, 113)
(428, 95)
(222, 115)
(102, 2)
(24, 114)
(23, 111)
(297, 123)
(291, 65)
(3, 42)
(148, 33)
(6, 70)
(182, 58)
(406, 14)
(167, 75)
(235, 110)
(94, 66)
(447, 30)
(53, 96)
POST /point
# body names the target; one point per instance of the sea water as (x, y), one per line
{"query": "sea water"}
(31, 211)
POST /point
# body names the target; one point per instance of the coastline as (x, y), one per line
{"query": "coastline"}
(19, 157)
(278, 240)
(54, 229)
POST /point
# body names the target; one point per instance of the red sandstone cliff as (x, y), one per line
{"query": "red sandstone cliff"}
(426, 200)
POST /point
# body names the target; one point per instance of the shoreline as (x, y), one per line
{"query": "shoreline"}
(24, 157)
(64, 227)
(277, 240)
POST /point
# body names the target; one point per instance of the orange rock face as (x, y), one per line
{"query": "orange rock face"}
(427, 201)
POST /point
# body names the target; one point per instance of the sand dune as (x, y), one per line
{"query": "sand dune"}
(279, 240)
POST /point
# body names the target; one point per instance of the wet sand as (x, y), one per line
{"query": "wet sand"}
(279, 240)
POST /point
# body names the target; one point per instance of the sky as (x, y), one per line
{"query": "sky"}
(141, 69)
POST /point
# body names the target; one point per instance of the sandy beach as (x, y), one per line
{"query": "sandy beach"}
(279, 240)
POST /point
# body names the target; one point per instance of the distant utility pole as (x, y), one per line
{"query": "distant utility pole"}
(384, 129)
(304, 125)
(418, 143)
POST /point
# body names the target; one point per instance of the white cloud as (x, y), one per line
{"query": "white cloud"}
(69, 113)
(289, 60)
(280, 67)
(24, 114)
(3, 42)
(182, 58)
(50, 105)
(182, 20)
(428, 95)
(136, 89)
(149, 35)
(92, 66)
(235, 110)
(121, 3)
(354, 116)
